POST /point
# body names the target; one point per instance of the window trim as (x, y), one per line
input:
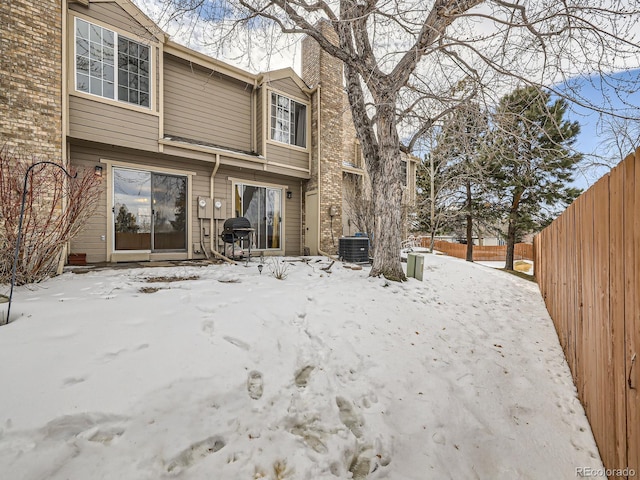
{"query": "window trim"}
(269, 93)
(110, 164)
(151, 171)
(152, 109)
(283, 196)
(406, 166)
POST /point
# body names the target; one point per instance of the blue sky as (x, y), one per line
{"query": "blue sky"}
(623, 96)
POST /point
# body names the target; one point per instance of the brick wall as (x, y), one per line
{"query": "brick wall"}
(31, 77)
(318, 67)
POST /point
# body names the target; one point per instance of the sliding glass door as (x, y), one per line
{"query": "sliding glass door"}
(169, 212)
(150, 211)
(262, 206)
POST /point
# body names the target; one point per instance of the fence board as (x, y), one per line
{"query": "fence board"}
(632, 308)
(601, 321)
(573, 288)
(616, 313)
(588, 269)
(522, 251)
(585, 355)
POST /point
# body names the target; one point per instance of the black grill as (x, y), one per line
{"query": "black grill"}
(235, 229)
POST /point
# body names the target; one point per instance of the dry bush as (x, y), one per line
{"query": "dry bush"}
(279, 269)
(56, 209)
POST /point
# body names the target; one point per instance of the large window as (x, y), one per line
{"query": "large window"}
(111, 65)
(262, 206)
(288, 121)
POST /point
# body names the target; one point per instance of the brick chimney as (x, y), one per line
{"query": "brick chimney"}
(320, 68)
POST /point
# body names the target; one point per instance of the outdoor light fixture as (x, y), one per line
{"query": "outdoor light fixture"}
(98, 171)
(260, 268)
(289, 194)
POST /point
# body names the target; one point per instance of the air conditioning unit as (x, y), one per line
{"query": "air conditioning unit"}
(354, 249)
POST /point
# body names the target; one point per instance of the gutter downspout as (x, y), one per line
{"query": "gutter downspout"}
(213, 235)
(319, 181)
(213, 221)
(64, 148)
(211, 195)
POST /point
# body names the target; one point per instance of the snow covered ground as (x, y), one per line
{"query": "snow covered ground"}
(224, 373)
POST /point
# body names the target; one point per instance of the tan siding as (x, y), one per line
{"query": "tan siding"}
(287, 156)
(292, 220)
(100, 122)
(206, 106)
(290, 88)
(87, 156)
(89, 240)
(112, 14)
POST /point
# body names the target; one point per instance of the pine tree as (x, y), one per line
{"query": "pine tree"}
(126, 221)
(458, 174)
(531, 160)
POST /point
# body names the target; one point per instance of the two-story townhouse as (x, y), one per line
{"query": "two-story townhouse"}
(182, 141)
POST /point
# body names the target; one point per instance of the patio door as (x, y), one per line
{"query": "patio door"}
(262, 206)
(149, 211)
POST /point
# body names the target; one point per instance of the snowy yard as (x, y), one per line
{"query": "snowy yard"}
(229, 374)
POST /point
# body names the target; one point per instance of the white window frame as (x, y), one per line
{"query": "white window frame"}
(151, 171)
(281, 135)
(405, 167)
(235, 183)
(114, 81)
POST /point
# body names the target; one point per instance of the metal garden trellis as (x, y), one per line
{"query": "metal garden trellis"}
(18, 240)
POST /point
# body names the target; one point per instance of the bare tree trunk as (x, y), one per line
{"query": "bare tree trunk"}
(469, 224)
(511, 242)
(432, 188)
(387, 200)
(511, 229)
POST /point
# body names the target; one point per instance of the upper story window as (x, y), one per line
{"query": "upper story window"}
(111, 65)
(288, 121)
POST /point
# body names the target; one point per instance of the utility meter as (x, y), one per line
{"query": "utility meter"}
(205, 210)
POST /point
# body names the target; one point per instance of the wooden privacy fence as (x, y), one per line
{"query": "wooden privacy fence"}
(588, 269)
(522, 251)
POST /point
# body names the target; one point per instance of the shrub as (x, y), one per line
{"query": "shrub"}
(278, 268)
(55, 210)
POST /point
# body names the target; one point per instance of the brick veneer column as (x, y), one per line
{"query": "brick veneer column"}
(31, 77)
(318, 67)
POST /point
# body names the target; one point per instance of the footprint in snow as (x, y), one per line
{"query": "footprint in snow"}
(255, 385)
(208, 327)
(348, 417)
(299, 319)
(302, 375)
(237, 342)
(69, 381)
(195, 452)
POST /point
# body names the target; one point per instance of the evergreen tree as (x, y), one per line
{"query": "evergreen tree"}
(126, 221)
(456, 165)
(531, 160)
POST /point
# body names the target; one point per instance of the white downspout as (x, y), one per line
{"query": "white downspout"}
(213, 235)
